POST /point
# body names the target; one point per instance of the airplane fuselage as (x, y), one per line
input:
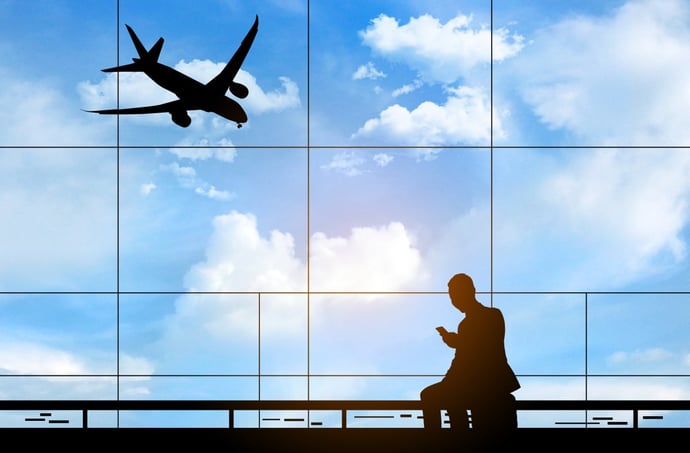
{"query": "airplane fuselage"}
(194, 94)
(183, 86)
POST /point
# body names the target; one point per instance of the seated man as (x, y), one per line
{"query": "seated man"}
(479, 378)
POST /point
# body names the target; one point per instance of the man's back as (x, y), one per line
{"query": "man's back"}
(480, 365)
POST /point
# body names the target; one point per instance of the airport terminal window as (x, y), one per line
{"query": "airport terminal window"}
(306, 254)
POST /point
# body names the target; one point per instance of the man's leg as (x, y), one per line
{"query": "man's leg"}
(498, 415)
(434, 398)
(459, 421)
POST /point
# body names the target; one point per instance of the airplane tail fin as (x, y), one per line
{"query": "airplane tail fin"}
(150, 55)
(155, 50)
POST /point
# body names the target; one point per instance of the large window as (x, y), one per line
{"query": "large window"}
(537, 146)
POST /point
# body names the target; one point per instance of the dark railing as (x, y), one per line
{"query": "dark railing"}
(343, 406)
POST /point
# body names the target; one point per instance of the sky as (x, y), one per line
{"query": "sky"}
(536, 146)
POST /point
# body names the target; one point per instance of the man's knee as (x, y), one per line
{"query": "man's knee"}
(433, 392)
(424, 393)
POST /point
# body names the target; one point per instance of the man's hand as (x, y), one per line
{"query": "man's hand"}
(449, 338)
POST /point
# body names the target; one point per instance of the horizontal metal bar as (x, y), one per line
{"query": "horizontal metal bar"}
(325, 405)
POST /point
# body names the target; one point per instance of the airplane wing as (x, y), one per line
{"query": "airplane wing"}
(223, 80)
(160, 108)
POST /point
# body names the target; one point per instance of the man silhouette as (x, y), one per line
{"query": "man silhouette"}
(479, 378)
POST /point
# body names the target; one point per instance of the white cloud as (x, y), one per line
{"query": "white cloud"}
(239, 259)
(645, 356)
(381, 258)
(187, 178)
(221, 154)
(633, 205)
(147, 188)
(407, 88)
(425, 154)
(464, 118)
(383, 159)
(354, 163)
(444, 53)
(211, 192)
(273, 101)
(616, 79)
(38, 113)
(31, 358)
(135, 365)
(367, 71)
(348, 163)
(439, 52)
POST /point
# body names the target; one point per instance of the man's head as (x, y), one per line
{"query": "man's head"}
(461, 291)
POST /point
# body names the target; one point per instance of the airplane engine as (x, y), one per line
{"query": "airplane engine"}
(181, 118)
(239, 90)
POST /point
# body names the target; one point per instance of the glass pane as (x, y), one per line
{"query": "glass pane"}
(284, 388)
(193, 334)
(51, 335)
(400, 73)
(552, 419)
(638, 334)
(380, 334)
(188, 388)
(552, 388)
(576, 80)
(368, 387)
(664, 419)
(21, 387)
(284, 335)
(213, 219)
(590, 219)
(41, 419)
(392, 220)
(545, 333)
(59, 228)
(49, 49)
(274, 72)
(638, 387)
(174, 419)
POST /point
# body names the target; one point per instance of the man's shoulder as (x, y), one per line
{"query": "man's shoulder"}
(490, 309)
(493, 312)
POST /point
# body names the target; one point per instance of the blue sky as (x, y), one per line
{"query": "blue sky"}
(365, 166)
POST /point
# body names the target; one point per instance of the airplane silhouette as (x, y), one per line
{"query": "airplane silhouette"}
(192, 94)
